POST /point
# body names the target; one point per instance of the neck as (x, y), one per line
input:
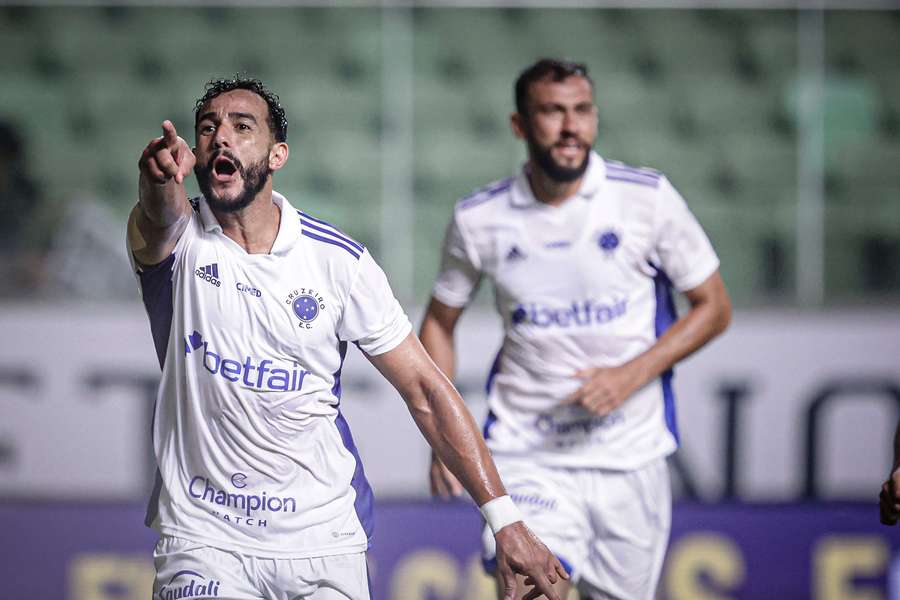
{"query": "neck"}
(255, 227)
(549, 191)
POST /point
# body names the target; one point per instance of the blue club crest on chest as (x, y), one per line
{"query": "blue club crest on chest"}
(608, 241)
(306, 305)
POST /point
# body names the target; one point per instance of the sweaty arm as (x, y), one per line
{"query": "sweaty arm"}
(709, 315)
(437, 338)
(162, 212)
(442, 416)
(446, 423)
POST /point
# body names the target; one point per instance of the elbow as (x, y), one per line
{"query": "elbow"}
(420, 400)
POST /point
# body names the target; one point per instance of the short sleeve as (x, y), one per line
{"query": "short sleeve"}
(685, 252)
(373, 318)
(132, 234)
(460, 271)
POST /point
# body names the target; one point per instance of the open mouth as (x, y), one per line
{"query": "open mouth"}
(224, 169)
(570, 149)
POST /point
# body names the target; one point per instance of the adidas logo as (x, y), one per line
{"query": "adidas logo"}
(514, 254)
(209, 273)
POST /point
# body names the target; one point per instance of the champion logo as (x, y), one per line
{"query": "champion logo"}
(210, 274)
(514, 254)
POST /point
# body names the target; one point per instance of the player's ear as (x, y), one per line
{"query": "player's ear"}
(518, 125)
(278, 155)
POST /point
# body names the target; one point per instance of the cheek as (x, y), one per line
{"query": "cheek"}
(545, 131)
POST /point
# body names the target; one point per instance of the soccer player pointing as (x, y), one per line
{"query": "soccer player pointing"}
(259, 490)
(582, 253)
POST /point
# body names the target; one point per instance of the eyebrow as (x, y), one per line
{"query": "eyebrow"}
(232, 115)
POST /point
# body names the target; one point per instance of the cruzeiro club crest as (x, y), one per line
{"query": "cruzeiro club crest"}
(608, 241)
(306, 304)
(306, 308)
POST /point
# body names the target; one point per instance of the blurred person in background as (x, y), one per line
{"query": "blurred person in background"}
(889, 499)
(259, 491)
(582, 253)
(25, 229)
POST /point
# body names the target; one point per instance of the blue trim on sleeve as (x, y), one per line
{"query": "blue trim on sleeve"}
(333, 242)
(156, 292)
(665, 316)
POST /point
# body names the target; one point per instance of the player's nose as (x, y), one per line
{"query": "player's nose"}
(222, 138)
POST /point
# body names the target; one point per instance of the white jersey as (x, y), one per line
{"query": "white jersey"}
(253, 453)
(579, 285)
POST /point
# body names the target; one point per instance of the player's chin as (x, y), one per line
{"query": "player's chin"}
(225, 199)
(226, 192)
(569, 163)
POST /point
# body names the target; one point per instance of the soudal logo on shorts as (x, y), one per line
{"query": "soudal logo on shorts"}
(262, 375)
(189, 584)
(581, 313)
(209, 273)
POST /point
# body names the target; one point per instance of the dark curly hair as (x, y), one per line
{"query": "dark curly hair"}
(555, 68)
(277, 120)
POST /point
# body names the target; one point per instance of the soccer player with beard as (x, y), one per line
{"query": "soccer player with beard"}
(259, 490)
(582, 252)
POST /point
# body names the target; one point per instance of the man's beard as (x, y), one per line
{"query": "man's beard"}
(558, 173)
(254, 178)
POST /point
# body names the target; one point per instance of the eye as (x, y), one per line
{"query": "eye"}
(207, 129)
(243, 127)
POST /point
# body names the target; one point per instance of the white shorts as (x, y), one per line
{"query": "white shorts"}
(609, 528)
(193, 571)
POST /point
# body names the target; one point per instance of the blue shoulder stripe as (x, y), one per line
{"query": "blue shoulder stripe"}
(616, 165)
(646, 182)
(484, 194)
(329, 229)
(617, 171)
(331, 241)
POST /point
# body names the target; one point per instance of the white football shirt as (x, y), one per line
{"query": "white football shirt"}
(253, 452)
(579, 285)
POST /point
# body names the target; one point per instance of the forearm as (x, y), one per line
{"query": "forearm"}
(438, 342)
(450, 429)
(161, 205)
(688, 334)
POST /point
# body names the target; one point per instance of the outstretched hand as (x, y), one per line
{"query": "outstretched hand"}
(519, 551)
(167, 157)
(604, 388)
(889, 499)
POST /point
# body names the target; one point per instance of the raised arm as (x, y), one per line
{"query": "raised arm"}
(162, 211)
(437, 338)
(710, 313)
(446, 423)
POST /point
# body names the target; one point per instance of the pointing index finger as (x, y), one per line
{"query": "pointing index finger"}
(170, 136)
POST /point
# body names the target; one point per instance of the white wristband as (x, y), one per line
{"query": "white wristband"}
(500, 512)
